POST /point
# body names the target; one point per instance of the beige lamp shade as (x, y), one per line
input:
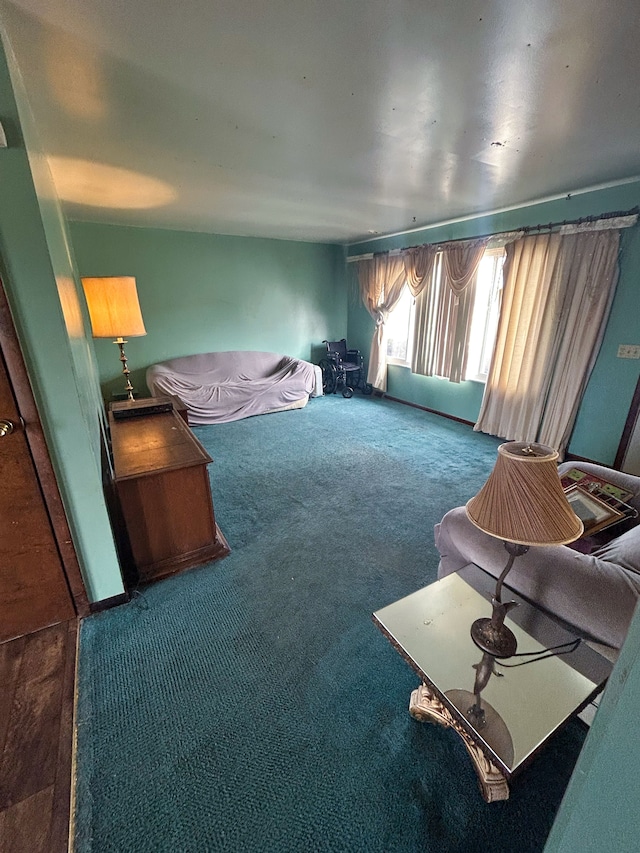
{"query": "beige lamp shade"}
(113, 305)
(523, 500)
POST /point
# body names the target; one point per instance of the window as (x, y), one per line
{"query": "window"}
(486, 310)
(484, 321)
(399, 328)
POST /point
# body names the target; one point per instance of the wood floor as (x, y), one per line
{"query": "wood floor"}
(37, 675)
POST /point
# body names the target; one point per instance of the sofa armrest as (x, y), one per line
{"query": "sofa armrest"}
(595, 597)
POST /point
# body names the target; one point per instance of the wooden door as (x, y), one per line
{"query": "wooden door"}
(34, 588)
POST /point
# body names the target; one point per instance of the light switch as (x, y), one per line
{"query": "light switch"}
(628, 351)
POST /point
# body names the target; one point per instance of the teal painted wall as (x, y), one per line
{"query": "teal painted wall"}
(206, 292)
(38, 274)
(596, 435)
(599, 811)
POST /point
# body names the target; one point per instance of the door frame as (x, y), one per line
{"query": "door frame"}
(19, 378)
(627, 432)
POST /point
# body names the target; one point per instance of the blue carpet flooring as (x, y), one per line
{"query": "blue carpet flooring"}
(251, 705)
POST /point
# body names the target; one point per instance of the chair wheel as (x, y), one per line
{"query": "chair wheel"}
(347, 391)
(368, 389)
(329, 378)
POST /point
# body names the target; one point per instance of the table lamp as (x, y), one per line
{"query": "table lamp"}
(523, 504)
(114, 312)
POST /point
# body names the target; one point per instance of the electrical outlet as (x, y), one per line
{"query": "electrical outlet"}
(628, 351)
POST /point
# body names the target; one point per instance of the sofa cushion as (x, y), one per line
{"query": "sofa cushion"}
(624, 550)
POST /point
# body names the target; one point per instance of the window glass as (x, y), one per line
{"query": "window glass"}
(399, 328)
(484, 322)
(486, 310)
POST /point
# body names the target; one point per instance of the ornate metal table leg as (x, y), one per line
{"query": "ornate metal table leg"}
(425, 706)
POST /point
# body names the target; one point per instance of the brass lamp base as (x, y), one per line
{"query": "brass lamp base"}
(491, 635)
(128, 387)
(497, 640)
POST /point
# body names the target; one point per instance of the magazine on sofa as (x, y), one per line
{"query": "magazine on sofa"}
(598, 503)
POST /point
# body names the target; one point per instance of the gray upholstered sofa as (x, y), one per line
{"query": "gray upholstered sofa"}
(595, 594)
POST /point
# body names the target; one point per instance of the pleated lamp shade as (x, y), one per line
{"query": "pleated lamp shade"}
(523, 500)
(113, 306)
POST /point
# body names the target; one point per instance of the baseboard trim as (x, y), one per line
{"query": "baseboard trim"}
(107, 603)
(426, 409)
(568, 457)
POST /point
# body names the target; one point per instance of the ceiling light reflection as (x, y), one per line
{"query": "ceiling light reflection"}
(100, 185)
(70, 304)
(76, 81)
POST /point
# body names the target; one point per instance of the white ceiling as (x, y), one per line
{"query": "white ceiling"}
(327, 120)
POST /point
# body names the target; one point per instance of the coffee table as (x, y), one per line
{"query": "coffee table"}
(506, 723)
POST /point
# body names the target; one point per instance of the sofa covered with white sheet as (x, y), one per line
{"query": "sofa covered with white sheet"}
(217, 387)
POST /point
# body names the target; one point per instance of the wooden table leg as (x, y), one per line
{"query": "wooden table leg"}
(425, 706)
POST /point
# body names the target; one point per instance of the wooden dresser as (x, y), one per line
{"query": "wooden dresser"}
(162, 486)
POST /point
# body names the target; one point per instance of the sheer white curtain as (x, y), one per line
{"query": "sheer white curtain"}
(444, 310)
(381, 279)
(556, 299)
(591, 271)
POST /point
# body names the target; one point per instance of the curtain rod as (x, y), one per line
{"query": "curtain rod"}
(525, 229)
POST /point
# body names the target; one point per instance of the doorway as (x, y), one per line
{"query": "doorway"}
(40, 581)
(628, 455)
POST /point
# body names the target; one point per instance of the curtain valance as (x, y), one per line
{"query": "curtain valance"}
(603, 222)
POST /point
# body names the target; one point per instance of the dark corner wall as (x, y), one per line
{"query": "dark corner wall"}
(606, 402)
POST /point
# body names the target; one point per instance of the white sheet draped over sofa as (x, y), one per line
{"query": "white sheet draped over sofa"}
(218, 387)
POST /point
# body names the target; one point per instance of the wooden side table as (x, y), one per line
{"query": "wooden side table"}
(162, 485)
